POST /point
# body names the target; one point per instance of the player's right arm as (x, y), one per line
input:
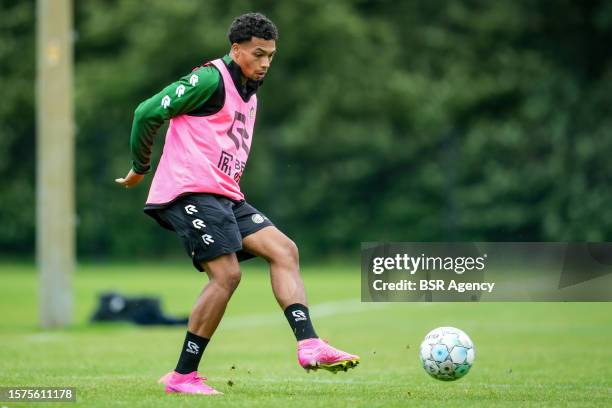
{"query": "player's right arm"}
(182, 96)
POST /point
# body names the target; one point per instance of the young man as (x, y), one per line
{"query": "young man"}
(195, 192)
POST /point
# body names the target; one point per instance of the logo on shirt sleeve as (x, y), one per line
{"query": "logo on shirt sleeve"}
(165, 102)
(193, 80)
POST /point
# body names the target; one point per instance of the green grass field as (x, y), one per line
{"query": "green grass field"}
(528, 354)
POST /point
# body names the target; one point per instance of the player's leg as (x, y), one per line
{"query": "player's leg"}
(282, 255)
(224, 276)
(210, 234)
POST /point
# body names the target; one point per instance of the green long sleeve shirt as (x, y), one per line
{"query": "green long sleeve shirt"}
(199, 93)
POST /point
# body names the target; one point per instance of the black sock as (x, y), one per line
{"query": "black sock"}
(299, 320)
(191, 354)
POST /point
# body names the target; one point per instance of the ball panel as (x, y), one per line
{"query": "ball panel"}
(458, 355)
(431, 367)
(461, 370)
(439, 352)
(465, 341)
(450, 340)
(447, 367)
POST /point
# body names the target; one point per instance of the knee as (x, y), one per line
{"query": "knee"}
(230, 279)
(286, 252)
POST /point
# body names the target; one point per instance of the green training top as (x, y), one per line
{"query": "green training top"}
(153, 112)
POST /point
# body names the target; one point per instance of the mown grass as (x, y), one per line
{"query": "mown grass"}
(528, 354)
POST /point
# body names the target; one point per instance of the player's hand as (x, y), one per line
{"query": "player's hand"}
(130, 180)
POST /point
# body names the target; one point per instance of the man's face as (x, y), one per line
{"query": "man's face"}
(254, 57)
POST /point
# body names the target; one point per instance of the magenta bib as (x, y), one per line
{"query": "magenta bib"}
(207, 154)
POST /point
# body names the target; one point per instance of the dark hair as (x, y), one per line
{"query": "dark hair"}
(251, 25)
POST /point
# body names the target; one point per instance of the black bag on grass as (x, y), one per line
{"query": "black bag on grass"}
(115, 307)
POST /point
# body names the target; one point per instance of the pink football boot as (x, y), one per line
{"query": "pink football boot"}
(187, 384)
(316, 353)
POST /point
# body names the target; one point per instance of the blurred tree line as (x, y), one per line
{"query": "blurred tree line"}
(380, 120)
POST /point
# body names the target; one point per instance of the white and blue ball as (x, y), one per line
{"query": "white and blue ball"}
(447, 353)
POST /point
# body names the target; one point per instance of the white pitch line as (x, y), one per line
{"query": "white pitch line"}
(347, 306)
(44, 337)
(320, 310)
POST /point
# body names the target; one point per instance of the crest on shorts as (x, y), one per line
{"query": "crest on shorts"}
(257, 218)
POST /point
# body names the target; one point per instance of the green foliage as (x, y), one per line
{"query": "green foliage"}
(455, 120)
(17, 131)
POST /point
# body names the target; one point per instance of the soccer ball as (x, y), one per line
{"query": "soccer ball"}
(447, 353)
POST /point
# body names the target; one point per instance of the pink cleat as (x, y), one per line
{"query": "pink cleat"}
(316, 353)
(187, 384)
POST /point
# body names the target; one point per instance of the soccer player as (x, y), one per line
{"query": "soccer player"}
(195, 192)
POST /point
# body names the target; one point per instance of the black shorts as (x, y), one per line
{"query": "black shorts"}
(210, 225)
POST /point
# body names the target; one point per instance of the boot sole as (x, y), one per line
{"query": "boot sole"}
(335, 367)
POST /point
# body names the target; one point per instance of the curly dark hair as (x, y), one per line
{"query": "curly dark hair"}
(251, 25)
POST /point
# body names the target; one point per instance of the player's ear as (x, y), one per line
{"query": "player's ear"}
(236, 49)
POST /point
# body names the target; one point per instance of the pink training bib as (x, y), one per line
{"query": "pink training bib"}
(207, 154)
